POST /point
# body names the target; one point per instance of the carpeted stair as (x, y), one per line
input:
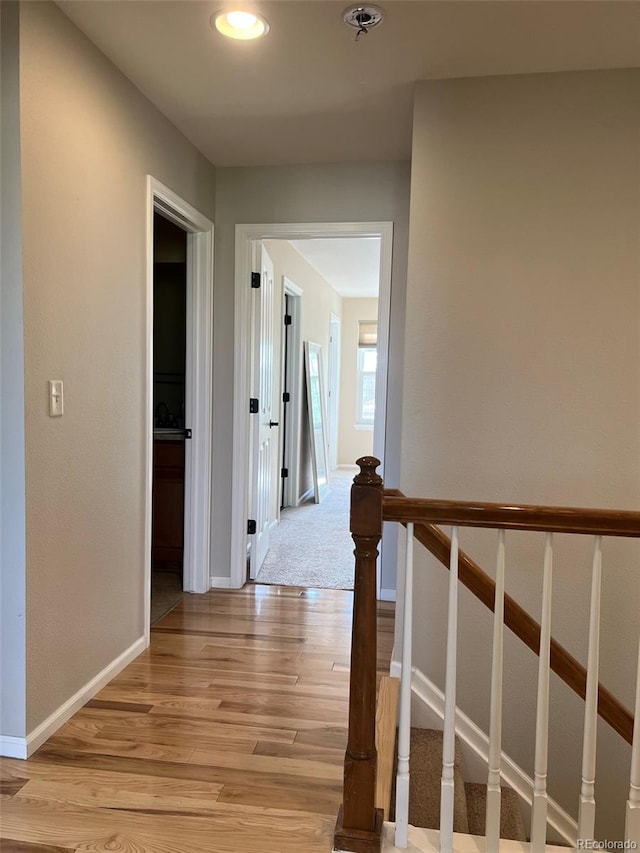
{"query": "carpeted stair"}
(511, 823)
(470, 799)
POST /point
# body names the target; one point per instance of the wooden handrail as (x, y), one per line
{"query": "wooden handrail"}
(602, 522)
(516, 618)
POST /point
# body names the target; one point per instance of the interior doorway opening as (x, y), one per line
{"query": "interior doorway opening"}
(354, 395)
(169, 425)
(319, 283)
(178, 396)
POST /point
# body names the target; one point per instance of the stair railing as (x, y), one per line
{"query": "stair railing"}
(359, 824)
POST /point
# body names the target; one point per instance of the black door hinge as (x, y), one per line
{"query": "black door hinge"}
(255, 279)
(251, 526)
(286, 397)
(284, 472)
(254, 405)
(287, 319)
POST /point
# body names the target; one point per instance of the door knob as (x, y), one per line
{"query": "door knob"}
(273, 423)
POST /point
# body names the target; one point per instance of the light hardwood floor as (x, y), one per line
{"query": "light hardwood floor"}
(227, 734)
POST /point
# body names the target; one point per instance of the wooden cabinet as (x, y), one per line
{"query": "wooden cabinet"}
(168, 505)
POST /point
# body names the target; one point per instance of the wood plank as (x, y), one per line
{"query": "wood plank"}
(15, 846)
(119, 706)
(386, 721)
(334, 737)
(197, 728)
(305, 751)
(105, 797)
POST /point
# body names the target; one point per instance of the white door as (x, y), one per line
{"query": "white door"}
(265, 429)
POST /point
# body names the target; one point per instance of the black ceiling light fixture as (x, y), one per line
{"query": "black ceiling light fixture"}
(362, 18)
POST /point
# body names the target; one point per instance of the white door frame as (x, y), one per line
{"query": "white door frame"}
(245, 235)
(333, 389)
(198, 390)
(293, 384)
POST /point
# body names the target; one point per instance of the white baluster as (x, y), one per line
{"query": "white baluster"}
(494, 792)
(587, 811)
(449, 734)
(540, 798)
(632, 827)
(404, 723)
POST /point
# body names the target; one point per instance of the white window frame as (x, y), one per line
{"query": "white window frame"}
(361, 422)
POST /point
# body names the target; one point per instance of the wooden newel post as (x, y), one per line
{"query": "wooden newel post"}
(359, 824)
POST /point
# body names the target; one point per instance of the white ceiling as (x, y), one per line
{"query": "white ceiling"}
(351, 265)
(307, 93)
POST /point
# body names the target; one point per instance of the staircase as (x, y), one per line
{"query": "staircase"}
(470, 804)
(464, 810)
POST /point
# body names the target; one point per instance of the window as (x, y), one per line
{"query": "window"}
(367, 365)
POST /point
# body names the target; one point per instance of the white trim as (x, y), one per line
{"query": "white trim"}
(333, 388)
(423, 840)
(199, 409)
(476, 740)
(219, 583)
(387, 595)
(198, 401)
(384, 316)
(14, 747)
(244, 237)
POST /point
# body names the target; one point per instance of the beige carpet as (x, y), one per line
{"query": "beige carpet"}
(470, 800)
(424, 786)
(312, 546)
(511, 823)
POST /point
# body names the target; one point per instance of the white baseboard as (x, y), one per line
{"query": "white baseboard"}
(387, 595)
(13, 747)
(220, 583)
(471, 736)
(24, 747)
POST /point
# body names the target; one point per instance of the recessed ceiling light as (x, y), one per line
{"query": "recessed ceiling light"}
(238, 24)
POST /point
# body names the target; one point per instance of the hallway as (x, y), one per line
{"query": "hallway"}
(227, 734)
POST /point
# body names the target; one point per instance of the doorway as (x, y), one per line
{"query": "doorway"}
(339, 278)
(169, 430)
(246, 239)
(182, 383)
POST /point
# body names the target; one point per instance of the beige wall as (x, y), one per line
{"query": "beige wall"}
(12, 481)
(89, 139)
(353, 441)
(319, 300)
(522, 378)
(322, 193)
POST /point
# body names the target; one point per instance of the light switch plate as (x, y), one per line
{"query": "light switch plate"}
(56, 401)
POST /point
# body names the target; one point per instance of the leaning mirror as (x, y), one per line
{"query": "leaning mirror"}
(316, 410)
